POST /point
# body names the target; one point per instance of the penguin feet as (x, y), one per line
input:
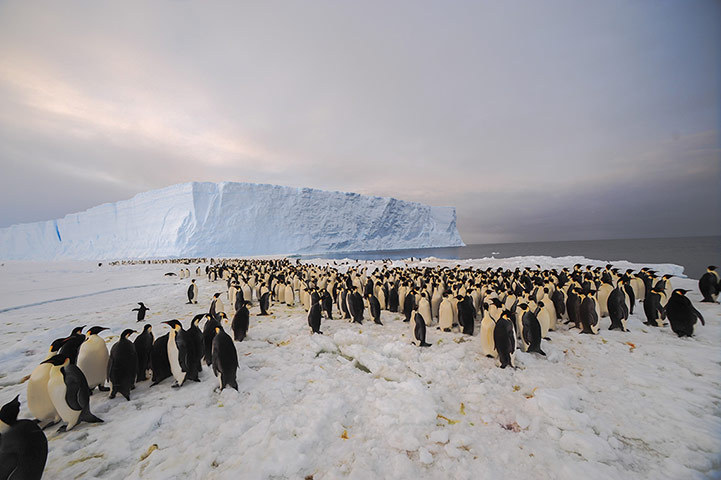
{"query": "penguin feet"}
(112, 394)
(103, 388)
(175, 385)
(63, 429)
(447, 330)
(547, 339)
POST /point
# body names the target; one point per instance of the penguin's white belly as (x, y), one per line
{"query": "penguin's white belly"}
(488, 345)
(445, 315)
(39, 402)
(173, 356)
(289, 296)
(56, 390)
(544, 319)
(219, 307)
(603, 294)
(93, 361)
(425, 310)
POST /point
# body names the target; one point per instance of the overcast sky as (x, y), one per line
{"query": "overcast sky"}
(537, 120)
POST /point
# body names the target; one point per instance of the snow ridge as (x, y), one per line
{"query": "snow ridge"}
(199, 219)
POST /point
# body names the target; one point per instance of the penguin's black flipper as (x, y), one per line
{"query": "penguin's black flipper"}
(77, 392)
(698, 314)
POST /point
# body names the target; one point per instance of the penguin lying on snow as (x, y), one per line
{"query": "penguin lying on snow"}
(69, 392)
(23, 445)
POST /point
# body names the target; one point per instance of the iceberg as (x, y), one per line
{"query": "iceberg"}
(226, 219)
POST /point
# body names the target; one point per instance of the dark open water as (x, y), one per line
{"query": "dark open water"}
(693, 253)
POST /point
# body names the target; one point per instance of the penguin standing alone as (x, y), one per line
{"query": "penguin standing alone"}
(419, 327)
(69, 392)
(141, 311)
(23, 445)
(314, 317)
(123, 365)
(193, 292)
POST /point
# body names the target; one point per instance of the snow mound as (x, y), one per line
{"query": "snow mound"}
(233, 219)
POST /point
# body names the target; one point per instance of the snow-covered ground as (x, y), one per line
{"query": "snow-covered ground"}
(362, 402)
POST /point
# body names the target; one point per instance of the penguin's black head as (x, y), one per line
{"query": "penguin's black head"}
(523, 306)
(174, 324)
(95, 330)
(57, 343)
(141, 304)
(680, 291)
(147, 328)
(9, 412)
(77, 331)
(711, 267)
(58, 360)
(127, 332)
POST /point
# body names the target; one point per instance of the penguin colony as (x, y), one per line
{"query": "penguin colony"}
(517, 309)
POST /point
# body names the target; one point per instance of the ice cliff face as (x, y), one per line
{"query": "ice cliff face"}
(233, 219)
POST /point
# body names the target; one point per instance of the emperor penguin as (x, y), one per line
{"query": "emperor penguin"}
(289, 296)
(550, 307)
(466, 314)
(71, 346)
(618, 307)
(160, 364)
(143, 347)
(589, 313)
(665, 283)
(681, 313)
(208, 334)
(314, 318)
(530, 330)
(445, 314)
(418, 325)
(241, 321)
(653, 307)
(93, 359)
(436, 300)
(710, 285)
(23, 445)
(39, 402)
(326, 304)
(374, 307)
(193, 292)
(225, 359)
(216, 305)
(141, 311)
(69, 392)
(177, 352)
(424, 308)
(264, 304)
(488, 324)
(123, 366)
(504, 339)
(545, 318)
(602, 297)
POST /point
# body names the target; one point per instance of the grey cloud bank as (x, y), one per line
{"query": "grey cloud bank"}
(537, 120)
